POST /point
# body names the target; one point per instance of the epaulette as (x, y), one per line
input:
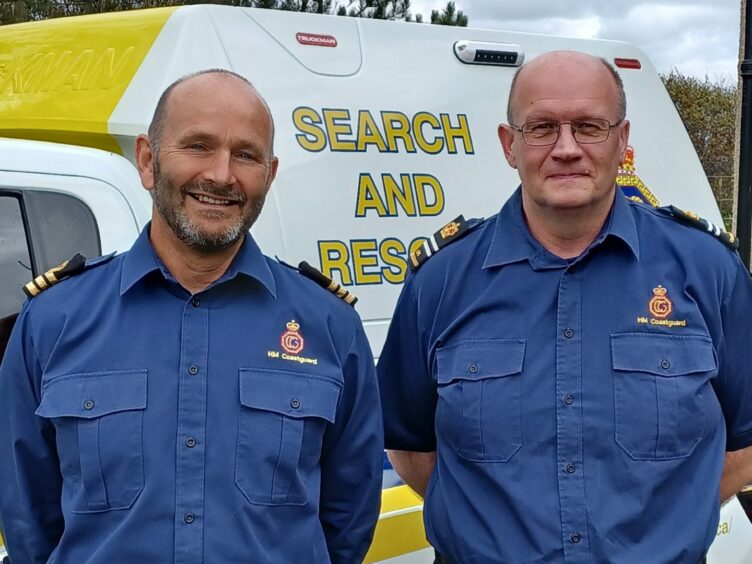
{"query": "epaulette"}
(65, 270)
(327, 283)
(447, 234)
(694, 220)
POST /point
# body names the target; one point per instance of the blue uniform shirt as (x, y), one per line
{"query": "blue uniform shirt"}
(144, 424)
(580, 409)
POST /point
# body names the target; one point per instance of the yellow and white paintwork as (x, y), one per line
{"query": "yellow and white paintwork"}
(61, 79)
(400, 527)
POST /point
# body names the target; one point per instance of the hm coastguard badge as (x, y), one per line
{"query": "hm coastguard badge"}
(660, 308)
(292, 344)
(292, 341)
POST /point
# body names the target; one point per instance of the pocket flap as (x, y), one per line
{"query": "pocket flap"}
(94, 394)
(663, 355)
(478, 360)
(289, 393)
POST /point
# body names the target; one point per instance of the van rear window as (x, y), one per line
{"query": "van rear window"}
(39, 230)
(15, 258)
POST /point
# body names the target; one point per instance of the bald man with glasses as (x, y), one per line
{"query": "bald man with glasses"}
(563, 382)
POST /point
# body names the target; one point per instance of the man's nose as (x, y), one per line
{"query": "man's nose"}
(566, 146)
(219, 169)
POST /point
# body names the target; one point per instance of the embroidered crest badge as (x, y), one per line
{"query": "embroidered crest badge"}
(291, 340)
(450, 229)
(660, 306)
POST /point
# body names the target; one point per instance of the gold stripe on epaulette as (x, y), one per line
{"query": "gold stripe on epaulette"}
(31, 289)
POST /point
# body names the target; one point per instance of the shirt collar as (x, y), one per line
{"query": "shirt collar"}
(512, 241)
(141, 260)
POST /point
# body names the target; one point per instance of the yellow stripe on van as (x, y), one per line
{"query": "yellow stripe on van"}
(61, 79)
(400, 527)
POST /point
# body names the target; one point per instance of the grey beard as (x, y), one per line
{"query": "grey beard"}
(168, 203)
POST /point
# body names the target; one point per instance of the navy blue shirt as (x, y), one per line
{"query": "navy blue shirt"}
(145, 424)
(579, 409)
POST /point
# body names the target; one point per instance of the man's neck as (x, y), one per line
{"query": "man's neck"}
(193, 270)
(566, 233)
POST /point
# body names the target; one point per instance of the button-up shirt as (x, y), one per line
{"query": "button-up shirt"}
(145, 424)
(579, 409)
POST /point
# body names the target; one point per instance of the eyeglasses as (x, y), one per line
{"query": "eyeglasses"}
(546, 132)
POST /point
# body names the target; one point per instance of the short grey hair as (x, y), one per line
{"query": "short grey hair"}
(621, 97)
(156, 127)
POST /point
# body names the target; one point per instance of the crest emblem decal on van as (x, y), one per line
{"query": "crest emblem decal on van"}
(631, 185)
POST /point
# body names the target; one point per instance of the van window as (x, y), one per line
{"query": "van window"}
(39, 230)
(15, 259)
(59, 227)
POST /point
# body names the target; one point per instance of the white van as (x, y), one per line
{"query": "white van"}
(385, 131)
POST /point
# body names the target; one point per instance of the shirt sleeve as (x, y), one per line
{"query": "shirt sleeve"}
(408, 392)
(32, 518)
(351, 460)
(734, 385)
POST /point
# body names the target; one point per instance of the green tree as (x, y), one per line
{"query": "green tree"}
(450, 15)
(23, 10)
(379, 10)
(312, 6)
(12, 12)
(708, 110)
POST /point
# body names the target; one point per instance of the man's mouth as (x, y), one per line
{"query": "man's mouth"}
(567, 174)
(213, 200)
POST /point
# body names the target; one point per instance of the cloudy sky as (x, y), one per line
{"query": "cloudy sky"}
(696, 37)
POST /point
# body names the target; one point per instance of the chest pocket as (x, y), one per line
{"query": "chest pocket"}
(99, 422)
(283, 416)
(662, 393)
(480, 398)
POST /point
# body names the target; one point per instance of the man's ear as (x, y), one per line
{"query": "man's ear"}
(273, 165)
(145, 161)
(623, 139)
(506, 136)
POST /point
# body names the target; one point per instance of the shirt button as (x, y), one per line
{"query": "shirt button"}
(195, 302)
(472, 368)
(568, 399)
(575, 538)
(295, 403)
(190, 442)
(89, 405)
(570, 468)
(568, 333)
(665, 364)
(189, 518)
(193, 370)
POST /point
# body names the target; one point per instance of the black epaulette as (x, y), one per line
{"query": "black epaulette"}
(694, 220)
(69, 268)
(327, 283)
(450, 232)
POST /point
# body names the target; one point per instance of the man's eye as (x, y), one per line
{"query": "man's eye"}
(245, 156)
(588, 128)
(542, 128)
(198, 146)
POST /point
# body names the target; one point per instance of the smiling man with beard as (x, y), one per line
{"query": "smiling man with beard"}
(191, 400)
